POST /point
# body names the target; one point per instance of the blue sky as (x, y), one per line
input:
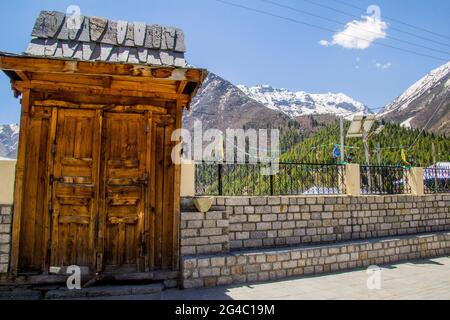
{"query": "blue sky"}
(250, 48)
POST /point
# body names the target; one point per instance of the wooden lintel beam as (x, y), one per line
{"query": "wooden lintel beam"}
(109, 107)
(75, 97)
(65, 104)
(35, 64)
(90, 90)
(102, 82)
(138, 108)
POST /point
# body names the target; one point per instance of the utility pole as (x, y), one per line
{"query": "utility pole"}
(341, 122)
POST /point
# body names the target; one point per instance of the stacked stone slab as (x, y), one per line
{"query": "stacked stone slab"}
(274, 222)
(97, 39)
(204, 233)
(270, 222)
(264, 265)
(5, 237)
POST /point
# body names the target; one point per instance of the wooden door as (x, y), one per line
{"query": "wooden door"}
(125, 174)
(112, 192)
(75, 194)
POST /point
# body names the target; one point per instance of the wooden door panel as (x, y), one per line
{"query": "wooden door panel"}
(164, 193)
(35, 217)
(75, 189)
(125, 185)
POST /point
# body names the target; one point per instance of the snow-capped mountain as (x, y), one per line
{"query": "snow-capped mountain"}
(221, 105)
(424, 85)
(296, 104)
(426, 104)
(9, 139)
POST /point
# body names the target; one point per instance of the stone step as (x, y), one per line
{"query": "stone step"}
(19, 294)
(104, 291)
(58, 279)
(251, 266)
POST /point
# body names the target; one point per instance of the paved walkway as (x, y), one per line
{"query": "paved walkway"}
(424, 279)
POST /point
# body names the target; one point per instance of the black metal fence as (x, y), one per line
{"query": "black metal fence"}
(379, 180)
(437, 180)
(254, 179)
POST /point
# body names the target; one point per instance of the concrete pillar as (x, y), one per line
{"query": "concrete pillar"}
(188, 179)
(352, 179)
(415, 178)
(7, 174)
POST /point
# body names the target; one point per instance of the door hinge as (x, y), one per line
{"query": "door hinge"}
(54, 148)
(145, 179)
(50, 208)
(51, 179)
(147, 128)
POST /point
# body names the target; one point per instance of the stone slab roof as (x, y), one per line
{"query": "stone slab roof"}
(98, 39)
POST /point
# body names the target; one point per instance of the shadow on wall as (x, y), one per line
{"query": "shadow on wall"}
(7, 174)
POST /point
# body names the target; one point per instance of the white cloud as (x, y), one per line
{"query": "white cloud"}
(359, 34)
(383, 66)
(325, 43)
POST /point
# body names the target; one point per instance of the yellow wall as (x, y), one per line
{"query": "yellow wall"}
(188, 179)
(7, 173)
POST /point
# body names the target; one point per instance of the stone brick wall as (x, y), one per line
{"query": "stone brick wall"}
(269, 222)
(204, 233)
(299, 235)
(264, 265)
(5, 237)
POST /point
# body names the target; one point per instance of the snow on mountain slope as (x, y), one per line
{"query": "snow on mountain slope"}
(221, 105)
(421, 87)
(295, 104)
(9, 139)
(424, 105)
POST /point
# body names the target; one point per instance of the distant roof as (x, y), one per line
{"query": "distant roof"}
(442, 165)
(98, 39)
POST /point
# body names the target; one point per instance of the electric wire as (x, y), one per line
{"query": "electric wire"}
(358, 28)
(327, 29)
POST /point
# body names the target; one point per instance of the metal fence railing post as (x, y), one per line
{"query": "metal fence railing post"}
(436, 184)
(220, 174)
(271, 180)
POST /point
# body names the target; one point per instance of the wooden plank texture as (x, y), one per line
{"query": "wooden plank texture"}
(33, 241)
(126, 181)
(73, 222)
